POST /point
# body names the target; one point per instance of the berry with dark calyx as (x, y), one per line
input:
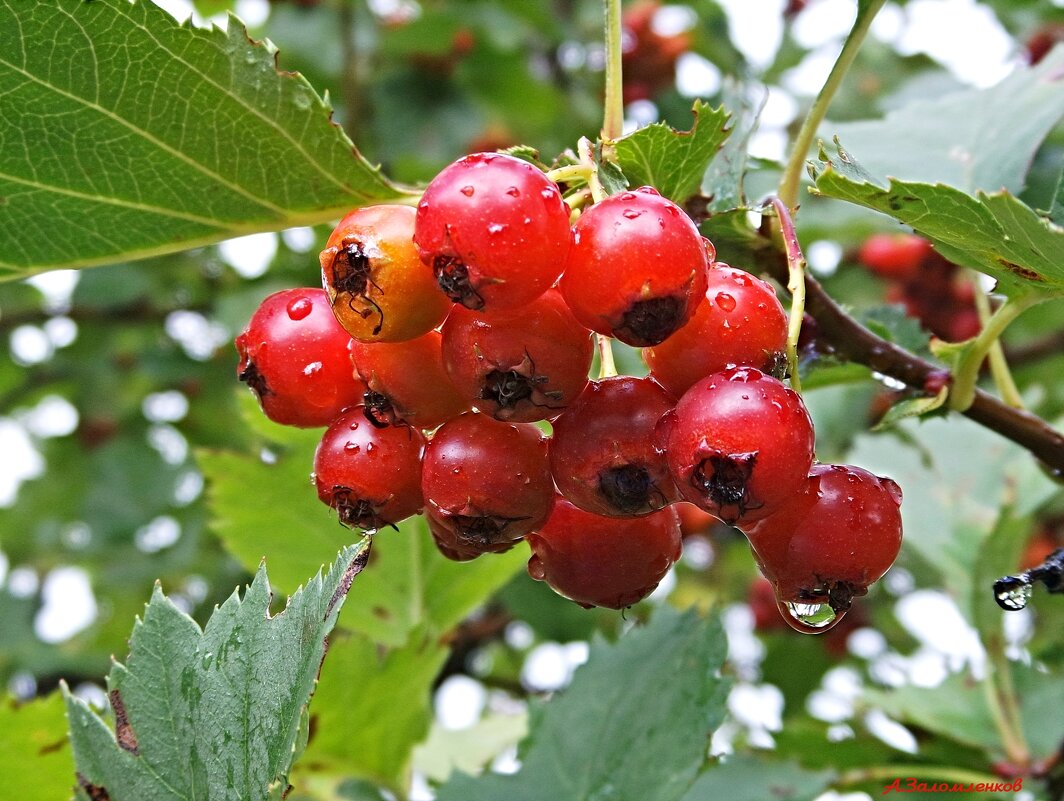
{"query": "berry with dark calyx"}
(523, 365)
(740, 322)
(740, 443)
(293, 355)
(370, 476)
(375, 280)
(487, 482)
(832, 539)
(896, 256)
(407, 382)
(494, 231)
(611, 562)
(455, 546)
(603, 452)
(637, 268)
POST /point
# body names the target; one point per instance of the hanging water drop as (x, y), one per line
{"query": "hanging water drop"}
(536, 569)
(1012, 593)
(810, 618)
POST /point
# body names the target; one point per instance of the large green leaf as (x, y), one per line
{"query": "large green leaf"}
(602, 739)
(215, 713)
(994, 233)
(127, 135)
(35, 758)
(671, 161)
(976, 139)
(744, 778)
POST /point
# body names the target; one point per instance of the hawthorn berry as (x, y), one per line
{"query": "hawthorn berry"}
(488, 482)
(293, 356)
(371, 476)
(740, 322)
(407, 382)
(835, 536)
(523, 365)
(375, 280)
(896, 256)
(456, 547)
(494, 230)
(594, 560)
(739, 444)
(603, 452)
(637, 267)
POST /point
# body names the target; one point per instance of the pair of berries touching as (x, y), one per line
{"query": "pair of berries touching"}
(443, 335)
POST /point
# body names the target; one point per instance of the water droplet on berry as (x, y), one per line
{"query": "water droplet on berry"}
(1012, 593)
(535, 568)
(513, 191)
(631, 214)
(548, 193)
(810, 618)
(725, 301)
(370, 447)
(892, 487)
(353, 426)
(467, 191)
(496, 228)
(312, 368)
(352, 447)
(299, 308)
(457, 471)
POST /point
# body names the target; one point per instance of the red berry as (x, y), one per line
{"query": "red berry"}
(370, 476)
(896, 256)
(522, 365)
(740, 443)
(603, 561)
(377, 284)
(293, 355)
(407, 382)
(494, 230)
(637, 267)
(455, 546)
(834, 537)
(739, 323)
(488, 482)
(603, 452)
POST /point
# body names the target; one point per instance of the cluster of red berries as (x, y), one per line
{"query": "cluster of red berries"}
(439, 413)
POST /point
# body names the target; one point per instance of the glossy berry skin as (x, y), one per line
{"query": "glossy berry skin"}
(740, 444)
(523, 365)
(407, 382)
(603, 452)
(375, 280)
(488, 482)
(603, 561)
(833, 538)
(370, 476)
(896, 256)
(739, 323)
(637, 267)
(494, 231)
(293, 355)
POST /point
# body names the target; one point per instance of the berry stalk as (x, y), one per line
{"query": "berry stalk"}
(613, 117)
(795, 285)
(999, 367)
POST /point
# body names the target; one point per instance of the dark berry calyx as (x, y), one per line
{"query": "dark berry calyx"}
(650, 322)
(355, 512)
(723, 478)
(509, 388)
(482, 529)
(628, 488)
(452, 275)
(378, 409)
(251, 376)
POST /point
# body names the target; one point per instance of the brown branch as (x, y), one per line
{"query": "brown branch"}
(853, 342)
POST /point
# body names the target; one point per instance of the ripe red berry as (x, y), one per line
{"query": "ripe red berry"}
(522, 365)
(835, 536)
(896, 256)
(637, 267)
(293, 355)
(488, 482)
(739, 323)
(740, 443)
(407, 382)
(603, 561)
(375, 280)
(370, 476)
(494, 230)
(603, 452)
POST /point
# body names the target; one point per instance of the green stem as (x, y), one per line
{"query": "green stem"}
(570, 173)
(792, 174)
(966, 373)
(613, 118)
(1004, 704)
(587, 158)
(607, 365)
(795, 285)
(999, 367)
(934, 772)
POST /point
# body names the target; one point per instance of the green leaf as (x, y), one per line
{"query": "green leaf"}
(999, 554)
(673, 162)
(468, 750)
(601, 738)
(147, 136)
(976, 139)
(745, 778)
(213, 713)
(358, 692)
(994, 233)
(912, 407)
(35, 758)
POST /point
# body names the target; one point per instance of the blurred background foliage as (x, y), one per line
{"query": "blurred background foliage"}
(118, 394)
